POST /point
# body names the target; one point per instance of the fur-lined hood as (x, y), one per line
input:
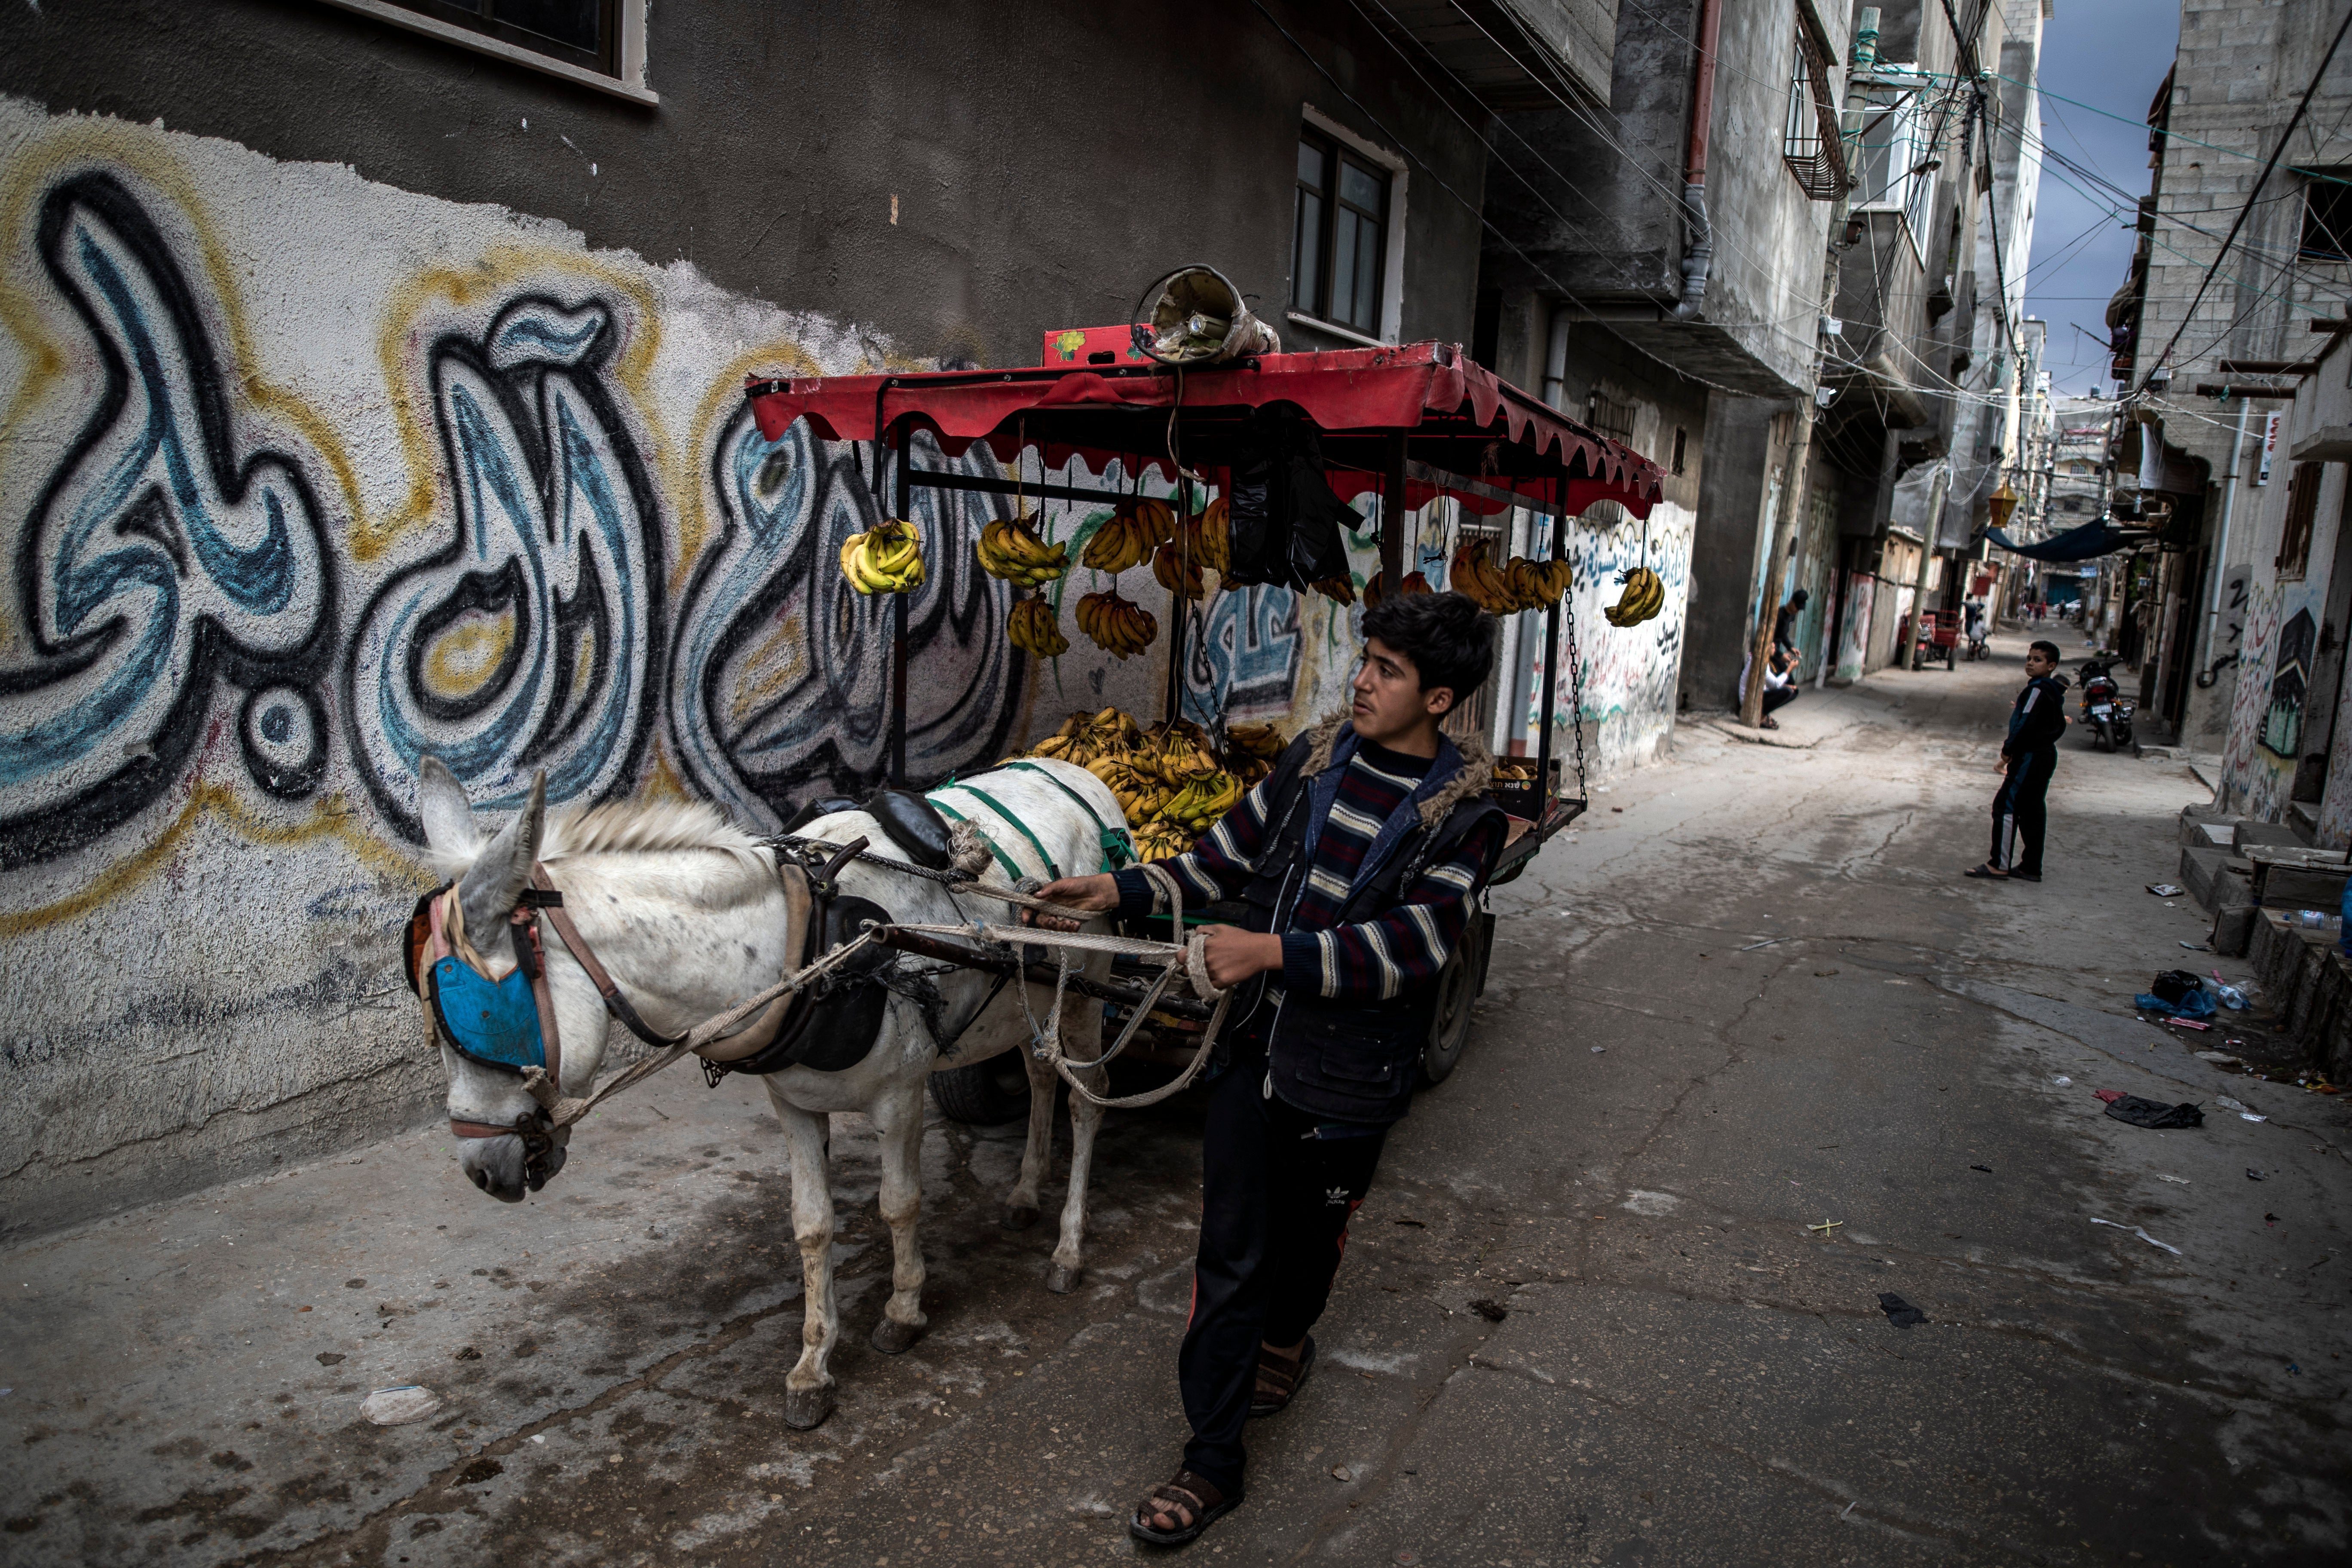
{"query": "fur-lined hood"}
(1476, 773)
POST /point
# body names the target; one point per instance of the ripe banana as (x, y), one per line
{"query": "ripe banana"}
(1171, 570)
(886, 559)
(1208, 536)
(1032, 627)
(1472, 574)
(1340, 590)
(1644, 596)
(1261, 741)
(1132, 533)
(1374, 591)
(1011, 550)
(1120, 626)
(1161, 839)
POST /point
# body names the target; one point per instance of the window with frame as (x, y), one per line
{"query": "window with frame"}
(1896, 149)
(1809, 142)
(2327, 215)
(1338, 261)
(584, 33)
(2302, 505)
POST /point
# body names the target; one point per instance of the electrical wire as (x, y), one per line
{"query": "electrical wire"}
(2302, 105)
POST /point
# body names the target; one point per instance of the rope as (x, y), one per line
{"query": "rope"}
(564, 1111)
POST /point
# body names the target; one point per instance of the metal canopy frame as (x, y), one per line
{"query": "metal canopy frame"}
(1430, 454)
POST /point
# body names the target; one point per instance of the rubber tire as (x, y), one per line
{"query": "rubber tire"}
(1458, 984)
(982, 1094)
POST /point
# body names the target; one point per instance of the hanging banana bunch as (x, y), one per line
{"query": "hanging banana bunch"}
(1033, 628)
(1120, 626)
(1338, 590)
(1139, 527)
(1644, 596)
(884, 559)
(1011, 550)
(1374, 591)
(1473, 575)
(1172, 570)
(1207, 536)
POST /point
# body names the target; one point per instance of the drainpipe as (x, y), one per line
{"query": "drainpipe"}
(1701, 254)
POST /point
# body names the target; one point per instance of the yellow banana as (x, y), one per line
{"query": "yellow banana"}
(1032, 627)
(1120, 626)
(1176, 574)
(1116, 544)
(886, 559)
(1472, 574)
(1338, 589)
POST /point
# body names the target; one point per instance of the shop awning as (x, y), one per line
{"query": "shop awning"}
(2084, 543)
(1468, 432)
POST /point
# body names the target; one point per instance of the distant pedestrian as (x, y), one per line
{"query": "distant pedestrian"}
(1779, 685)
(1784, 625)
(2028, 756)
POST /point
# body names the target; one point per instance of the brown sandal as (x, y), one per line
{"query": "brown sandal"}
(1279, 1379)
(1192, 1499)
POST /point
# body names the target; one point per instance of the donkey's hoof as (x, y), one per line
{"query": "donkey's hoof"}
(807, 1408)
(1017, 1216)
(1061, 1279)
(892, 1337)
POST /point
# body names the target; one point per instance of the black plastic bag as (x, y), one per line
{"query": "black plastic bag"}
(2154, 1113)
(2174, 985)
(1285, 519)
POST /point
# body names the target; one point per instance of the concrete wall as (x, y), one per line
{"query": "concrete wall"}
(1742, 451)
(304, 475)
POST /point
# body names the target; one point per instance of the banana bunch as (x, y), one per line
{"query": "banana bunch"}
(1644, 596)
(1172, 570)
(1134, 530)
(1263, 742)
(884, 559)
(1162, 839)
(1120, 626)
(1199, 803)
(1207, 536)
(1140, 794)
(1085, 737)
(1474, 576)
(1540, 584)
(1010, 549)
(1375, 591)
(1338, 589)
(1518, 773)
(1033, 628)
(1177, 754)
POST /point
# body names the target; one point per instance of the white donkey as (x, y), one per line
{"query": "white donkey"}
(688, 914)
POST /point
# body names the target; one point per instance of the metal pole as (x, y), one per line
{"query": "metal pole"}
(1392, 516)
(1551, 666)
(2222, 544)
(899, 621)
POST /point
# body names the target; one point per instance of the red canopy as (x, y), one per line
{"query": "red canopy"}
(1456, 417)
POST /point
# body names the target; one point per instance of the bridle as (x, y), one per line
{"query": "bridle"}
(436, 932)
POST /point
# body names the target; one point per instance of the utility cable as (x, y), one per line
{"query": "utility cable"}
(2302, 105)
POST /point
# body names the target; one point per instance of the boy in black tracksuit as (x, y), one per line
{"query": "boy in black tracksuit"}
(1358, 858)
(2030, 755)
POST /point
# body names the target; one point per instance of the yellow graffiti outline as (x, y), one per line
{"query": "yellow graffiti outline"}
(88, 145)
(500, 271)
(331, 820)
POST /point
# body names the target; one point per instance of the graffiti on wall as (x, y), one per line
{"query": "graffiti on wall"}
(182, 581)
(159, 563)
(780, 669)
(2290, 681)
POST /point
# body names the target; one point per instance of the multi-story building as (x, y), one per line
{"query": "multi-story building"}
(2245, 248)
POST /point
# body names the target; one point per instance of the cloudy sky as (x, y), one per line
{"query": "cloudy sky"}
(2107, 55)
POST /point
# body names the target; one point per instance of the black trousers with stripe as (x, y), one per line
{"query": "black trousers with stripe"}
(2018, 814)
(1275, 1197)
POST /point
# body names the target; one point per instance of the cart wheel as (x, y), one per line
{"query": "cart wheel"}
(1458, 984)
(982, 1094)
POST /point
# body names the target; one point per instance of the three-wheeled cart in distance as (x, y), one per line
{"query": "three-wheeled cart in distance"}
(1412, 424)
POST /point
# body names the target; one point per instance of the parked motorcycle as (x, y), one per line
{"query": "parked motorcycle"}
(2105, 708)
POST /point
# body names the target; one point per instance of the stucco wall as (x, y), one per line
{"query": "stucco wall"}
(304, 476)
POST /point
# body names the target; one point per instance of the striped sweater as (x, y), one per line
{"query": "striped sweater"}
(1365, 961)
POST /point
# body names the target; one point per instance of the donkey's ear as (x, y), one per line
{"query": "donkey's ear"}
(446, 815)
(503, 870)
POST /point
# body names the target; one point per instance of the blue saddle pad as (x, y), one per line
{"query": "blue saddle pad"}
(495, 1022)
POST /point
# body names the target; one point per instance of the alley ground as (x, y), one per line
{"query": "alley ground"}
(1585, 1317)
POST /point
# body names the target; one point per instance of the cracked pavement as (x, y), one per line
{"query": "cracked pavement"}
(1586, 1315)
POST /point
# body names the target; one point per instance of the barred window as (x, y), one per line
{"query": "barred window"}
(1810, 142)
